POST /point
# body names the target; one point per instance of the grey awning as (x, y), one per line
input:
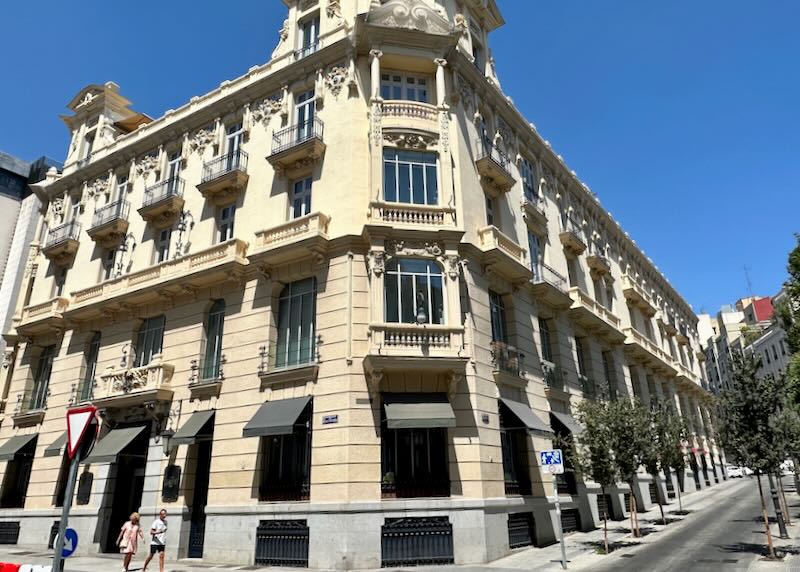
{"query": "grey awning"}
(56, 448)
(14, 445)
(190, 432)
(276, 417)
(109, 447)
(526, 415)
(418, 410)
(568, 421)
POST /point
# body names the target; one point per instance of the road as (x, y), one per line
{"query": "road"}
(727, 537)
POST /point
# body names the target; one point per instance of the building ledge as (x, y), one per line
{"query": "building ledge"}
(302, 237)
(28, 418)
(290, 374)
(502, 254)
(43, 318)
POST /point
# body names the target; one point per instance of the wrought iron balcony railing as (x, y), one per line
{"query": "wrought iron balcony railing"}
(553, 375)
(296, 134)
(163, 190)
(32, 399)
(507, 358)
(111, 212)
(544, 273)
(487, 149)
(224, 164)
(68, 231)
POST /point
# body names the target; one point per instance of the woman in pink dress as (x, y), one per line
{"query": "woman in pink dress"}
(128, 539)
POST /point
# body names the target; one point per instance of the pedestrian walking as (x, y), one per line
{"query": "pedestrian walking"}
(158, 540)
(128, 539)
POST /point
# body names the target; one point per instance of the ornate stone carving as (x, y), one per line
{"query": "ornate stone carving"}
(265, 109)
(414, 248)
(376, 260)
(8, 357)
(97, 187)
(335, 79)
(409, 14)
(377, 130)
(460, 24)
(466, 94)
(444, 130)
(202, 138)
(451, 263)
(283, 34)
(56, 209)
(334, 9)
(410, 140)
(146, 165)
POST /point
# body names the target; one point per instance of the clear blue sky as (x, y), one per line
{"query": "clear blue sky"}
(683, 116)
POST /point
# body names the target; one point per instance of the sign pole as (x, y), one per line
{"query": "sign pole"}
(58, 545)
(560, 527)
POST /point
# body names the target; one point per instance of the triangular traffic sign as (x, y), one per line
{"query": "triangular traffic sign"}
(78, 420)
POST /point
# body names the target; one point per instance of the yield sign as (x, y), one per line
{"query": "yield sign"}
(78, 420)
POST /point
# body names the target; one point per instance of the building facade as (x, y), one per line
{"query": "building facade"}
(345, 297)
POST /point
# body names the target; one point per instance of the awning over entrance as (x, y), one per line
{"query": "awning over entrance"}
(191, 431)
(526, 416)
(14, 445)
(109, 447)
(56, 448)
(418, 410)
(567, 421)
(276, 417)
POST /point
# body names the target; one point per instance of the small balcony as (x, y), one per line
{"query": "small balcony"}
(413, 347)
(62, 243)
(412, 215)
(503, 255)
(414, 115)
(207, 376)
(554, 381)
(594, 316)
(685, 375)
(110, 224)
(494, 168)
(31, 405)
(220, 263)
(135, 386)
(533, 211)
(297, 147)
(163, 202)
(43, 318)
(572, 237)
(638, 296)
(682, 335)
(224, 177)
(279, 365)
(302, 237)
(550, 287)
(598, 264)
(647, 352)
(508, 364)
(666, 322)
(589, 388)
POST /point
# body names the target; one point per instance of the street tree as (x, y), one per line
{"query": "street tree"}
(671, 435)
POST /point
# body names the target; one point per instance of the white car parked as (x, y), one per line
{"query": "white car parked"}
(734, 472)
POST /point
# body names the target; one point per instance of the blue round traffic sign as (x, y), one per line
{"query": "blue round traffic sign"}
(70, 543)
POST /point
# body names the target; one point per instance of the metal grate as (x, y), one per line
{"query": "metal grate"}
(282, 543)
(627, 497)
(521, 529)
(296, 134)
(604, 506)
(9, 532)
(570, 520)
(53, 533)
(197, 533)
(416, 541)
(653, 493)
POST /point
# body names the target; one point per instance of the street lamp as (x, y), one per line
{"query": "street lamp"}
(127, 244)
(185, 223)
(422, 316)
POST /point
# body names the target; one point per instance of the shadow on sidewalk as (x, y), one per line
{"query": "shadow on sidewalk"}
(756, 548)
(599, 546)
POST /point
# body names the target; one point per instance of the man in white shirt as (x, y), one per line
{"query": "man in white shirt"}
(158, 536)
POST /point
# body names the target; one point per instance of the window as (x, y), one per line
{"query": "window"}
(286, 462)
(775, 352)
(309, 36)
(402, 86)
(41, 380)
(572, 271)
(212, 358)
(611, 378)
(766, 355)
(783, 348)
(514, 448)
(304, 112)
(88, 144)
(75, 208)
(174, 171)
(60, 281)
(497, 311)
(296, 343)
(580, 353)
(90, 368)
(149, 340)
(477, 54)
(301, 198)
(233, 146)
(162, 245)
(544, 338)
(490, 211)
(609, 296)
(225, 223)
(410, 177)
(414, 292)
(17, 476)
(534, 246)
(529, 184)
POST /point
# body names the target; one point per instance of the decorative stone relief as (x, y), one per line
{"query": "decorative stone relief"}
(466, 93)
(451, 263)
(56, 210)
(283, 35)
(409, 14)
(97, 187)
(460, 24)
(146, 165)
(334, 9)
(414, 248)
(202, 138)
(264, 110)
(335, 80)
(8, 357)
(410, 140)
(376, 260)
(444, 130)
(377, 130)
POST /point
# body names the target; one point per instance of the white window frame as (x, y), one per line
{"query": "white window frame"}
(225, 223)
(308, 43)
(162, 246)
(416, 278)
(303, 197)
(401, 86)
(402, 164)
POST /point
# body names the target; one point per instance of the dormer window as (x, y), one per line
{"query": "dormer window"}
(309, 36)
(404, 86)
(88, 144)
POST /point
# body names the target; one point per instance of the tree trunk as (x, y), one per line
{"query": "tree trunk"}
(630, 513)
(785, 504)
(635, 510)
(776, 503)
(766, 518)
(658, 498)
(680, 502)
(796, 466)
(605, 520)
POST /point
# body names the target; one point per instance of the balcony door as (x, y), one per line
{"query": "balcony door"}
(233, 143)
(305, 109)
(174, 171)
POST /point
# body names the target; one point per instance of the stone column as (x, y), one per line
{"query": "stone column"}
(375, 70)
(441, 87)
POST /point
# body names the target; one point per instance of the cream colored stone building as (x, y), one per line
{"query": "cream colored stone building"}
(347, 295)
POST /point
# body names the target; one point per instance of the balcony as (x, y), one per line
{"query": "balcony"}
(508, 364)
(493, 167)
(31, 405)
(682, 335)
(224, 177)
(637, 296)
(550, 287)
(414, 115)
(207, 377)
(303, 237)
(412, 215)
(43, 318)
(220, 263)
(135, 386)
(685, 375)
(572, 237)
(666, 322)
(594, 316)
(278, 365)
(501, 254)
(62, 243)
(647, 352)
(110, 224)
(598, 265)
(163, 202)
(588, 387)
(413, 347)
(533, 211)
(554, 380)
(297, 147)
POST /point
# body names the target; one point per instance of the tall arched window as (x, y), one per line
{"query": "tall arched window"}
(213, 353)
(414, 291)
(297, 324)
(90, 370)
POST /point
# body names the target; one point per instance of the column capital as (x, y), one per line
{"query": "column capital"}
(376, 53)
(441, 62)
